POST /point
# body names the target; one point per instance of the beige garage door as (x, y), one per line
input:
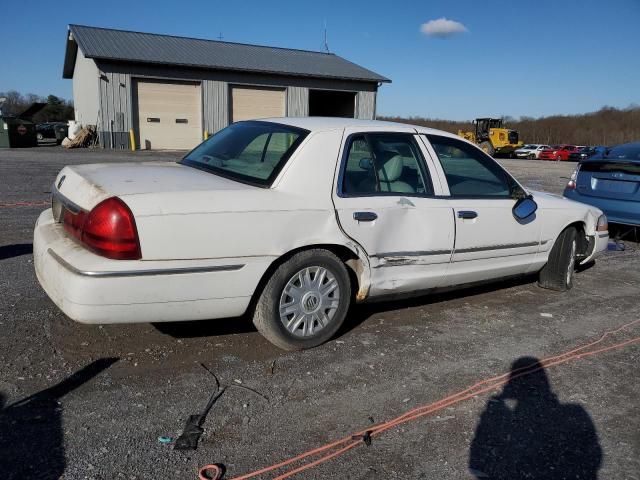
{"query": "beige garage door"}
(248, 103)
(169, 115)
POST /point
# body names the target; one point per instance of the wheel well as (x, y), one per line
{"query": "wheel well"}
(583, 242)
(351, 260)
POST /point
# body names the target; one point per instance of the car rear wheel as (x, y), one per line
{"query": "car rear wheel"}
(305, 301)
(558, 273)
(558, 158)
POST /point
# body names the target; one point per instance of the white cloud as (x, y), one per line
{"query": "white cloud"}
(442, 27)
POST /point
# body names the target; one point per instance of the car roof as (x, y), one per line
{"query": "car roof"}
(332, 123)
(630, 145)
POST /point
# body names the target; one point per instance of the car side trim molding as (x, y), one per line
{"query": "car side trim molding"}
(417, 253)
(425, 253)
(142, 273)
(499, 247)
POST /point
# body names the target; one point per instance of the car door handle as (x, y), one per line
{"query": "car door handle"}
(468, 214)
(365, 216)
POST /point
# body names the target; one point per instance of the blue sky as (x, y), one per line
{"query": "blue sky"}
(517, 57)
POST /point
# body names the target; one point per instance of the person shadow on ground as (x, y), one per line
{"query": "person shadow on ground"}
(31, 434)
(526, 433)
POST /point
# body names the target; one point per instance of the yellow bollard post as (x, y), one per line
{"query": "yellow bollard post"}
(132, 140)
(206, 135)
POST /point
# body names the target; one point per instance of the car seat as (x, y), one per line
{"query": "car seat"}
(391, 166)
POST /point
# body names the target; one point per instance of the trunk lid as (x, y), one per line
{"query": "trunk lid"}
(614, 179)
(88, 185)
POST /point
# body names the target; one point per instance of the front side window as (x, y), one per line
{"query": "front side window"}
(471, 173)
(379, 164)
(253, 152)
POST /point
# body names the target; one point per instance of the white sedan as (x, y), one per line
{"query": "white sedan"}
(292, 220)
(531, 151)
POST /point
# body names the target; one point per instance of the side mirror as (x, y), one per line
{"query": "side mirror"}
(524, 208)
(366, 164)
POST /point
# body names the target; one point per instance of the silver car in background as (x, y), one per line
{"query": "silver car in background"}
(530, 151)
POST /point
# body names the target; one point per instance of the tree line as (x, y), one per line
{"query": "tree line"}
(608, 126)
(56, 109)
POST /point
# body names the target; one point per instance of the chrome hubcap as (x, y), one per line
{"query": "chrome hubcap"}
(309, 301)
(572, 262)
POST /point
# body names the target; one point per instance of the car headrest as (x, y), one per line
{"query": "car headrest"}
(391, 168)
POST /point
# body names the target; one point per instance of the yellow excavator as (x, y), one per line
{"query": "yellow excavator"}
(492, 137)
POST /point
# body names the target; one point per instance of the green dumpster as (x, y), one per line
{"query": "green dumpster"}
(19, 131)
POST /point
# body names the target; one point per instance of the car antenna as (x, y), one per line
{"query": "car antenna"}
(326, 43)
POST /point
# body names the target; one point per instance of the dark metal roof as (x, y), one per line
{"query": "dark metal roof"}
(122, 45)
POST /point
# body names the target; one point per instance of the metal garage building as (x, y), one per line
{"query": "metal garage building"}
(171, 90)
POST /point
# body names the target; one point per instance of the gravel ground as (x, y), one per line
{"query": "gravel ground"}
(89, 402)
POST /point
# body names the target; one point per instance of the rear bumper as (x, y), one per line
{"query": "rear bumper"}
(92, 289)
(626, 212)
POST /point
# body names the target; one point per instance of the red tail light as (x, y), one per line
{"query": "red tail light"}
(109, 230)
(572, 183)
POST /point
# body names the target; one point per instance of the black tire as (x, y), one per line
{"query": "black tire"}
(488, 148)
(531, 156)
(559, 271)
(266, 315)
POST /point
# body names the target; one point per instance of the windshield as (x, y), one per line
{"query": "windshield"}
(253, 152)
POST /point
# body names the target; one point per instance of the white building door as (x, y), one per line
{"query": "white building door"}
(169, 115)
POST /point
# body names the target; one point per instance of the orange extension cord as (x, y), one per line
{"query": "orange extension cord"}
(334, 449)
(42, 203)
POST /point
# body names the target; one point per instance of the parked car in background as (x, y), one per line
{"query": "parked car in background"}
(557, 152)
(295, 218)
(52, 130)
(582, 153)
(531, 151)
(610, 180)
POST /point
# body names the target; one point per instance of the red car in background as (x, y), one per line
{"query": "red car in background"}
(558, 152)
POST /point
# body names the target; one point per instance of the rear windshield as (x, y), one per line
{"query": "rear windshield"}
(630, 168)
(251, 152)
(629, 151)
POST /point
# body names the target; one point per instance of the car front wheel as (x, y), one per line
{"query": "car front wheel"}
(305, 301)
(558, 273)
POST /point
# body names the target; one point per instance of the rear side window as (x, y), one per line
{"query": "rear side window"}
(384, 164)
(253, 152)
(469, 172)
